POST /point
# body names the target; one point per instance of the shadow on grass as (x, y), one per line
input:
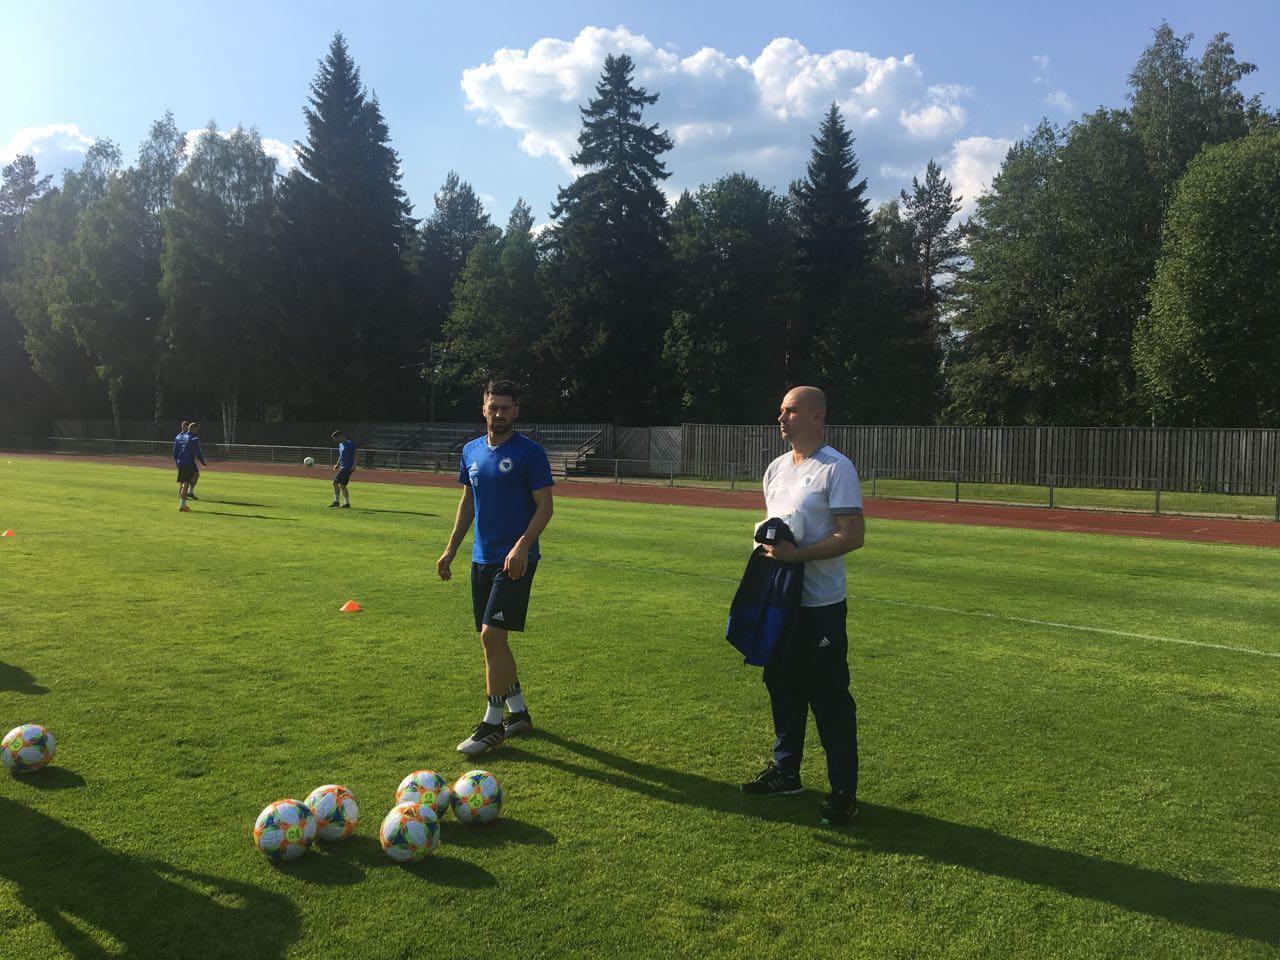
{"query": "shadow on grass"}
(16, 680)
(97, 902)
(245, 516)
(1241, 911)
(506, 830)
(51, 778)
(231, 503)
(407, 513)
(362, 851)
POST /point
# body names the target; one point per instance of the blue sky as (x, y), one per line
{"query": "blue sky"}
(742, 84)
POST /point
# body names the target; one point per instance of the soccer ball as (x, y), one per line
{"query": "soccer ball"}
(309, 462)
(426, 787)
(335, 810)
(410, 832)
(477, 797)
(285, 829)
(27, 748)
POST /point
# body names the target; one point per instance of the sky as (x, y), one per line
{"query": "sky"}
(492, 89)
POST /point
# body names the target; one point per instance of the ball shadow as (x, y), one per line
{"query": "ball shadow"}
(50, 778)
(507, 830)
(16, 680)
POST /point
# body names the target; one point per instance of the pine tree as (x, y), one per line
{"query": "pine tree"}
(928, 211)
(457, 224)
(497, 318)
(833, 241)
(609, 264)
(342, 245)
(22, 393)
(215, 279)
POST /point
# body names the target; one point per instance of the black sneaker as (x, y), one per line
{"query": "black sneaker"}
(486, 736)
(192, 496)
(346, 506)
(514, 724)
(334, 504)
(837, 810)
(773, 782)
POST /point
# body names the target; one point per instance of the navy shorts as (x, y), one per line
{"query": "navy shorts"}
(497, 600)
(187, 472)
(343, 477)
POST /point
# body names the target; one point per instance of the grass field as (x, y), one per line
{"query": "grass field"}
(1069, 742)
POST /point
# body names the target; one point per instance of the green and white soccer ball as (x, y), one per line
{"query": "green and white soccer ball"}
(27, 748)
(335, 810)
(309, 462)
(477, 797)
(426, 787)
(410, 832)
(285, 829)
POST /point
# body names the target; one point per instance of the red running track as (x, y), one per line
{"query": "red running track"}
(1258, 533)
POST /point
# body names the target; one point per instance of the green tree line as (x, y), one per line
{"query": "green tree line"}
(1123, 269)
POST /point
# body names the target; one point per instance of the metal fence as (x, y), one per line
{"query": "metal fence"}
(1202, 460)
(1197, 472)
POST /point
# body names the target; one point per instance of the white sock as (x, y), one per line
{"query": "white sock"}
(515, 699)
(493, 712)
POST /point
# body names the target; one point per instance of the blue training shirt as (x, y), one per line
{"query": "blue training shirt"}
(502, 481)
(347, 454)
(189, 449)
(178, 442)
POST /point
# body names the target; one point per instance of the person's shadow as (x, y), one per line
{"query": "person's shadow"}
(1241, 911)
(17, 680)
(100, 903)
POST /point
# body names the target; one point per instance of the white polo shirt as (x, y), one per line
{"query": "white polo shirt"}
(817, 490)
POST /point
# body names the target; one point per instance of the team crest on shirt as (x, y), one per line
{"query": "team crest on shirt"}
(808, 480)
(505, 464)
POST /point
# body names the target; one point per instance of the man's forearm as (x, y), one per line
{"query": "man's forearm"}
(835, 545)
(461, 524)
(541, 518)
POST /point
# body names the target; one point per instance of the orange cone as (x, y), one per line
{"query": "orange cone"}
(7, 533)
(350, 607)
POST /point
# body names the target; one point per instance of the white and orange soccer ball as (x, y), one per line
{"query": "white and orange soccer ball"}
(477, 797)
(428, 787)
(336, 812)
(410, 832)
(285, 829)
(27, 748)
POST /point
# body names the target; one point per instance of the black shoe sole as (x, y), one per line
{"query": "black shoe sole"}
(772, 793)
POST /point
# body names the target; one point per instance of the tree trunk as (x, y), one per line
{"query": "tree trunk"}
(159, 406)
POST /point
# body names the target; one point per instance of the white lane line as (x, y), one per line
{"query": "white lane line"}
(639, 568)
(1066, 626)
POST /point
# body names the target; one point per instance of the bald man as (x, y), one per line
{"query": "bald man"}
(818, 487)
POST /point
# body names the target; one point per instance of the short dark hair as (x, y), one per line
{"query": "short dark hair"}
(185, 424)
(502, 388)
(193, 424)
(336, 434)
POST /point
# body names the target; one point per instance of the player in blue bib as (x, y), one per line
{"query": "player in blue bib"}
(342, 469)
(507, 482)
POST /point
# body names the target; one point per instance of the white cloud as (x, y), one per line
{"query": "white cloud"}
(971, 166)
(726, 113)
(1041, 60)
(285, 154)
(1060, 99)
(45, 143)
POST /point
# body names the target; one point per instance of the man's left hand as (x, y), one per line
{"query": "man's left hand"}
(783, 551)
(516, 563)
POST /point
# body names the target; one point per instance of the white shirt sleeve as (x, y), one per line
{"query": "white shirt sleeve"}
(845, 493)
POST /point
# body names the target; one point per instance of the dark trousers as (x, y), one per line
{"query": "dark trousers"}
(811, 672)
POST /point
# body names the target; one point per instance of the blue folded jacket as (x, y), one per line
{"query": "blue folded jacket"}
(767, 600)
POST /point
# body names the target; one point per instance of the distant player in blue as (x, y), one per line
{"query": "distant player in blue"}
(342, 469)
(188, 451)
(507, 482)
(178, 441)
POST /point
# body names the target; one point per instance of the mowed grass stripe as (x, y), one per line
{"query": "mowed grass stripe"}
(1029, 792)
